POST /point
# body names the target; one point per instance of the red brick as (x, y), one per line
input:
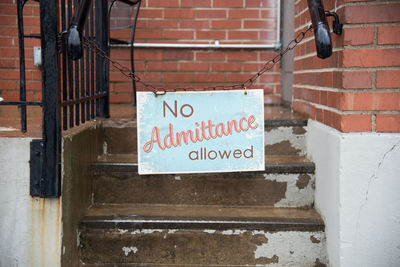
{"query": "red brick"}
(120, 98)
(242, 56)
(210, 35)
(193, 66)
(267, 35)
(196, 3)
(389, 34)
(9, 74)
(210, 78)
(178, 77)
(162, 3)
(8, 20)
(176, 34)
(7, 63)
(388, 123)
(209, 13)
(226, 24)
(371, 13)
(239, 13)
(370, 101)
(260, 3)
(355, 123)
(227, 3)
(161, 24)
(179, 13)
(259, 24)
(358, 36)
(210, 56)
(388, 79)
(357, 79)
(162, 66)
(195, 24)
(7, 41)
(242, 35)
(150, 13)
(224, 67)
(371, 58)
(178, 55)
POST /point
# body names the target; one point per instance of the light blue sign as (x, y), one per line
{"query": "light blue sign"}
(192, 132)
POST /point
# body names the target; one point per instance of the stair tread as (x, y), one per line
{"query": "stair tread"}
(208, 217)
(133, 159)
(273, 164)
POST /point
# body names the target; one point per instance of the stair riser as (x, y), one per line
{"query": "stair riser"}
(231, 189)
(203, 247)
(284, 140)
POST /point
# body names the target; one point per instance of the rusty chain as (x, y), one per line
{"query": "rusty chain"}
(90, 44)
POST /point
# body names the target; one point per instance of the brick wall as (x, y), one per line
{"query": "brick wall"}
(200, 22)
(357, 89)
(9, 52)
(161, 21)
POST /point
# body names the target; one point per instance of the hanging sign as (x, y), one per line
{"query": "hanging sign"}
(192, 132)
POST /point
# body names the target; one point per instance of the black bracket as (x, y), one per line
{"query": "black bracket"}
(35, 164)
(337, 27)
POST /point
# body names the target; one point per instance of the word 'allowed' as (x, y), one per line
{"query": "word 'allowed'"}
(216, 131)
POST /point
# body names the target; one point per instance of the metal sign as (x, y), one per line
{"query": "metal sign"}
(192, 132)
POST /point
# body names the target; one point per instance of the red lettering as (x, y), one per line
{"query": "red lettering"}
(241, 126)
(251, 120)
(149, 145)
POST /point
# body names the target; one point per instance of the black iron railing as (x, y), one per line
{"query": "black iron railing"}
(73, 91)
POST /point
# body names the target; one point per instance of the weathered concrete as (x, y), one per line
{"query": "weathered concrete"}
(357, 193)
(285, 140)
(30, 228)
(81, 146)
(203, 247)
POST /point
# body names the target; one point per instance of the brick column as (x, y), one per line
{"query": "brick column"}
(357, 89)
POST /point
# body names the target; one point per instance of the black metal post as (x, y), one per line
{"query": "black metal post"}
(102, 66)
(321, 29)
(50, 182)
(22, 81)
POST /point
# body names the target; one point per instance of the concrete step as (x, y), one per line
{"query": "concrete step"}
(284, 133)
(147, 235)
(286, 182)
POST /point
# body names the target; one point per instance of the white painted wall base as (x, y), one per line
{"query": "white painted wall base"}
(30, 232)
(358, 194)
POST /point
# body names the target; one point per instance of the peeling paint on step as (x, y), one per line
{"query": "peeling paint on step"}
(233, 232)
(294, 195)
(303, 180)
(288, 252)
(128, 250)
(209, 231)
(146, 231)
(314, 239)
(178, 178)
(122, 231)
(280, 134)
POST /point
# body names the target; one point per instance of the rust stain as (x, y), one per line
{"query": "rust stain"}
(303, 180)
(314, 240)
(298, 130)
(265, 260)
(42, 228)
(318, 263)
(281, 148)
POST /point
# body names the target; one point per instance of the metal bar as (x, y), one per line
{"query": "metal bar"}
(78, 10)
(22, 81)
(132, 55)
(82, 89)
(82, 100)
(18, 103)
(92, 57)
(50, 182)
(87, 92)
(102, 66)
(201, 46)
(64, 66)
(70, 74)
(278, 25)
(33, 35)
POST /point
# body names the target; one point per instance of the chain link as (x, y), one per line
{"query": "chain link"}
(161, 90)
